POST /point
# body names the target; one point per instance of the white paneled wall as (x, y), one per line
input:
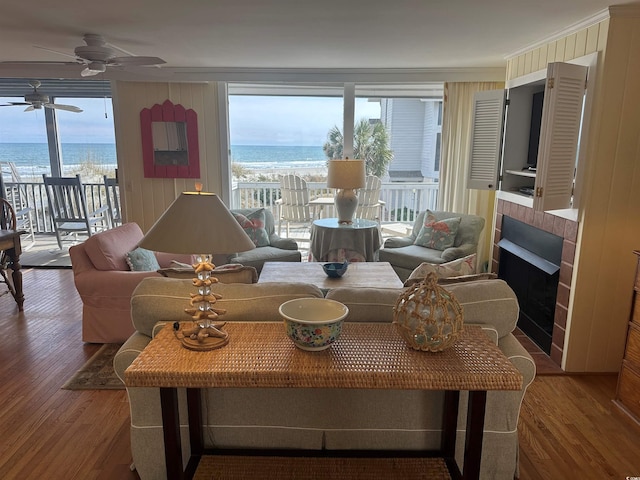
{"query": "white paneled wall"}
(145, 199)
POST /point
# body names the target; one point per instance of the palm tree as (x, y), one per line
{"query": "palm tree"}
(370, 142)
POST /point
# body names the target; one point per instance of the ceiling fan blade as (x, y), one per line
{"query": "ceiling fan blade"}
(68, 108)
(29, 108)
(17, 103)
(59, 53)
(136, 61)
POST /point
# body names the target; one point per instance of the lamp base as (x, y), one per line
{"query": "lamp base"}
(196, 337)
(346, 202)
(210, 343)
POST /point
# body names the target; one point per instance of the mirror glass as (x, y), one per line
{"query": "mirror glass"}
(170, 143)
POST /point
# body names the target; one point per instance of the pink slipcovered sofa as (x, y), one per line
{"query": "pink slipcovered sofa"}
(105, 282)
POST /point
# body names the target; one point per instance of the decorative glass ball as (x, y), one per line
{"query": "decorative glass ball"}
(427, 316)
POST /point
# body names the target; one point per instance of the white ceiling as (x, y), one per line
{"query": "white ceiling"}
(227, 35)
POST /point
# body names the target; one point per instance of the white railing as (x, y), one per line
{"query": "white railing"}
(34, 196)
(403, 201)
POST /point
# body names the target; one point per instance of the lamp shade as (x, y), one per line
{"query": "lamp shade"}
(197, 223)
(346, 174)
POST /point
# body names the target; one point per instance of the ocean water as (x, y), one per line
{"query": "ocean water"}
(32, 159)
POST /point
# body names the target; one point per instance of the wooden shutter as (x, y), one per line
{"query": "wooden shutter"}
(561, 120)
(486, 139)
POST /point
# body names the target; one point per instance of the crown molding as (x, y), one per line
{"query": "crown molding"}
(576, 27)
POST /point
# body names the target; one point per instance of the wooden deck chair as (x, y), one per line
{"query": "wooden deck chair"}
(369, 199)
(16, 195)
(294, 201)
(7, 222)
(113, 200)
(68, 208)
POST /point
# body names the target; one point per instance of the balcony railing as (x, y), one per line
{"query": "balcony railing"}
(34, 196)
(402, 201)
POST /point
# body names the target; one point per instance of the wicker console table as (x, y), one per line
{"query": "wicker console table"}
(366, 356)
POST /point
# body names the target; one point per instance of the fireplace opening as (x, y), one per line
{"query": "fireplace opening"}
(530, 264)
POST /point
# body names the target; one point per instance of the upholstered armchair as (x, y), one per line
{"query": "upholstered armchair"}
(406, 253)
(259, 224)
(105, 281)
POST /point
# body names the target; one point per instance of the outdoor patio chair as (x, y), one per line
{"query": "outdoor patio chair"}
(294, 202)
(369, 199)
(113, 200)
(68, 208)
(7, 222)
(16, 195)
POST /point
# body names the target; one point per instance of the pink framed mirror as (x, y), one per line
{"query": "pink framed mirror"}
(170, 141)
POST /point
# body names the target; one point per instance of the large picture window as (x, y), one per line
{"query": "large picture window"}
(292, 127)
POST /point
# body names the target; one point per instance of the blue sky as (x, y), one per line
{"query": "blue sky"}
(253, 120)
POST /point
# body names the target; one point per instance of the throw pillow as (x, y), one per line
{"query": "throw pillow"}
(253, 225)
(142, 260)
(455, 268)
(437, 234)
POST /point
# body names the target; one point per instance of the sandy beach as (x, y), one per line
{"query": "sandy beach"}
(316, 174)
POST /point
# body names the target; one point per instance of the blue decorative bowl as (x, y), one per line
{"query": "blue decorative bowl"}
(313, 323)
(335, 269)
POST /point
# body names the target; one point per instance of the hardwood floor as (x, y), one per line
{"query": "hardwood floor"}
(567, 427)
(46, 432)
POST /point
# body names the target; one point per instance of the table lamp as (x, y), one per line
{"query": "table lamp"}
(199, 223)
(346, 176)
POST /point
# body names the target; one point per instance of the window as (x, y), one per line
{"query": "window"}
(87, 139)
(275, 127)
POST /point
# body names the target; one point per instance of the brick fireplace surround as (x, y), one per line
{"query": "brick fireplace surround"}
(568, 230)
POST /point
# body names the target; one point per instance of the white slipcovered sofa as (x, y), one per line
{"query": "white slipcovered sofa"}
(366, 419)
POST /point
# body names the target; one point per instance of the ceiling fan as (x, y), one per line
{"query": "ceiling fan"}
(36, 100)
(97, 55)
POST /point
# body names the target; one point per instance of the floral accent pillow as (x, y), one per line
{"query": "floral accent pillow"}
(455, 268)
(142, 260)
(437, 234)
(253, 225)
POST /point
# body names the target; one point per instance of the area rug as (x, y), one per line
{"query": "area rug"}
(97, 373)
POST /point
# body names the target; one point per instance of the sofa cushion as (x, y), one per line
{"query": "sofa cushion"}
(258, 256)
(437, 234)
(142, 260)
(164, 299)
(456, 268)
(107, 249)
(484, 302)
(230, 273)
(367, 304)
(254, 225)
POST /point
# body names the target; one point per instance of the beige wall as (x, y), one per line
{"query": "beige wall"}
(609, 212)
(145, 199)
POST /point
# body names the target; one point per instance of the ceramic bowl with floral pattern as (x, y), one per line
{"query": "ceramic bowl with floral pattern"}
(313, 323)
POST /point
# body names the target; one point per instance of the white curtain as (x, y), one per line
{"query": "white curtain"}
(454, 162)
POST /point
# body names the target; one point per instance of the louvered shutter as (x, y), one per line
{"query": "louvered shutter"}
(486, 139)
(561, 119)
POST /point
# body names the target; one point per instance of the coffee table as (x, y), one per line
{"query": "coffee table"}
(262, 356)
(359, 274)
